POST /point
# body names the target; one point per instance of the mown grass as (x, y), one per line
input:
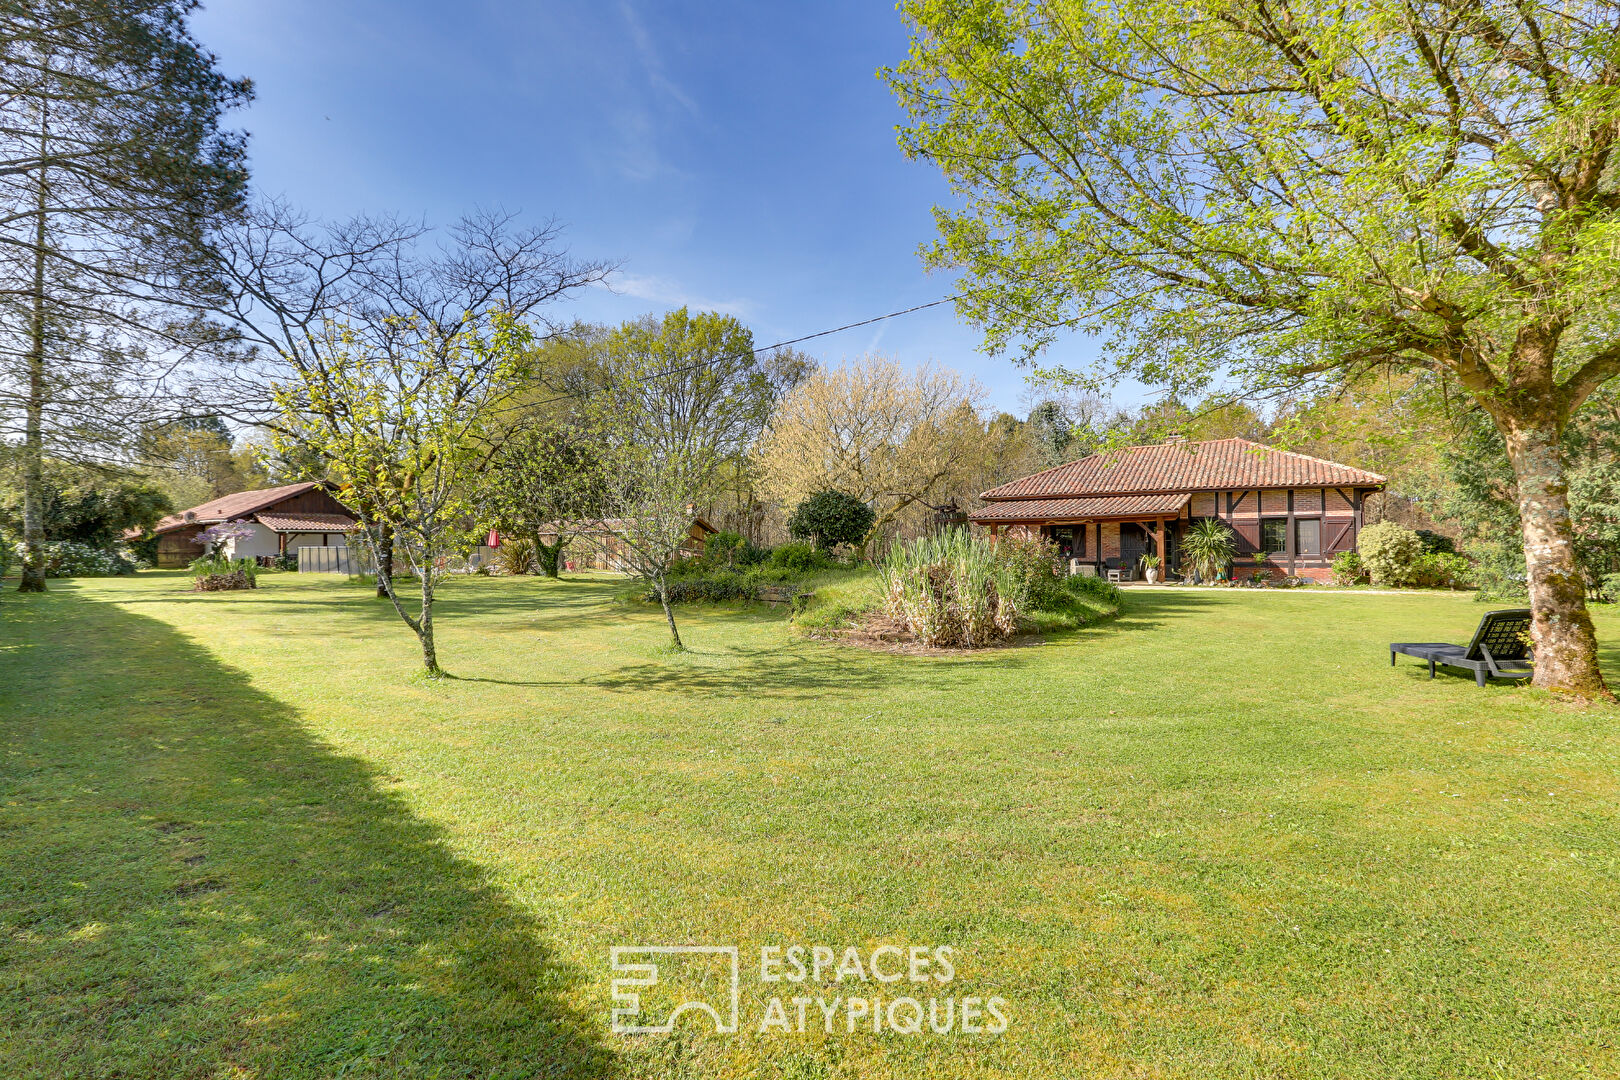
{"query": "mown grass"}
(1217, 836)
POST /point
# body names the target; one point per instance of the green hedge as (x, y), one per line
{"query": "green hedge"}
(721, 583)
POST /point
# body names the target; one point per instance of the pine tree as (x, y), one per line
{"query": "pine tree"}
(113, 170)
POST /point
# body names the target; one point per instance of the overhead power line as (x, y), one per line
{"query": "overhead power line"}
(752, 352)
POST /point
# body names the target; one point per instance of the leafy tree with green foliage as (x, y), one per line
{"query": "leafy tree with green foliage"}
(193, 459)
(113, 171)
(86, 506)
(1275, 195)
(831, 517)
(694, 387)
(401, 427)
(544, 481)
(293, 279)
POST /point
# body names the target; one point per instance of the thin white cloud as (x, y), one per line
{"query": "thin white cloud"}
(659, 290)
(651, 62)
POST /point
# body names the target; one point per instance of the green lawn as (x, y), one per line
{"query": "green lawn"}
(1216, 837)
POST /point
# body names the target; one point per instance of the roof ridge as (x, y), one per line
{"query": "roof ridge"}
(1208, 464)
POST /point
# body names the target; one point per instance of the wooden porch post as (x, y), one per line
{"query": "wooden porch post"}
(1157, 536)
(1288, 544)
(995, 532)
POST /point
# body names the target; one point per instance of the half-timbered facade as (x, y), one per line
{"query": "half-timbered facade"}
(1291, 512)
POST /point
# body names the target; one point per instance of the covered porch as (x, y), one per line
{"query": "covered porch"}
(1097, 534)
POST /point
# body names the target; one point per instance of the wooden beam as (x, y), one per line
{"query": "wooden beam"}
(1288, 543)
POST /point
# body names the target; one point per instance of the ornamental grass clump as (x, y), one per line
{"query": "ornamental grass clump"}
(950, 590)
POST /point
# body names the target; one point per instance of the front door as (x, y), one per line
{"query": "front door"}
(1133, 543)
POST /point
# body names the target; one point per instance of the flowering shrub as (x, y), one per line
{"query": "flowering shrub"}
(1389, 552)
(215, 538)
(69, 559)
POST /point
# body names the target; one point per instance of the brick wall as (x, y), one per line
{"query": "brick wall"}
(1110, 540)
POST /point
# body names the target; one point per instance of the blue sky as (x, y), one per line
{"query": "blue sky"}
(738, 156)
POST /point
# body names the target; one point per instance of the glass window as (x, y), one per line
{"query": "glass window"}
(1273, 535)
(1308, 536)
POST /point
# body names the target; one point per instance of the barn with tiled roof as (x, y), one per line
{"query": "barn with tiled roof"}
(280, 520)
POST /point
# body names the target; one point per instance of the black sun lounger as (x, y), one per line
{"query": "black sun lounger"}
(1500, 649)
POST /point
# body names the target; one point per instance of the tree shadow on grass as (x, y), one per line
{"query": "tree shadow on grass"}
(1148, 609)
(543, 604)
(806, 670)
(194, 887)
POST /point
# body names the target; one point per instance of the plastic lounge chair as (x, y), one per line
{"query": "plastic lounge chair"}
(1500, 648)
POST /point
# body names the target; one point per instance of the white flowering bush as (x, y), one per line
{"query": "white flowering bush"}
(69, 559)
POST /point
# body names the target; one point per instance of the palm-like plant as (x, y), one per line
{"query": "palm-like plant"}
(1208, 546)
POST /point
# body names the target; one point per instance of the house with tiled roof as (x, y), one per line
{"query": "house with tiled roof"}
(1291, 512)
(281, 520)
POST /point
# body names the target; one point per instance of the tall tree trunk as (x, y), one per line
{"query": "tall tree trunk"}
(1566, 645)
(424, 629)
(33, 569)
(385, 559)
(669, 614)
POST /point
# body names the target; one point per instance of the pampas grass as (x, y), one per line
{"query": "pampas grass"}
(950, 590)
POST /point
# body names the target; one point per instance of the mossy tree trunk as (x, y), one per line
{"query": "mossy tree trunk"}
(385, 559)
(1561, 628)
(549, 556)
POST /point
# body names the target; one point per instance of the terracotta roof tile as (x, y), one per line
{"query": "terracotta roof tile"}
(1060, 509)
(231, 507)
(1213, 465)
(302, 523)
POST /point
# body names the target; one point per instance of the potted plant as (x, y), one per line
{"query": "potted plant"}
(1150, 567)
(1207, 549)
